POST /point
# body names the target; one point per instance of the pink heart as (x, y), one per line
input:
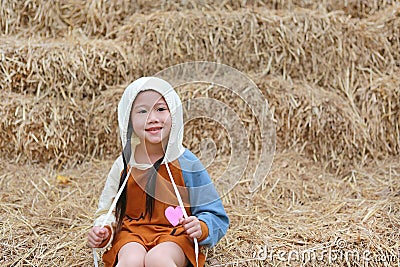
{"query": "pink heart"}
(173, 215)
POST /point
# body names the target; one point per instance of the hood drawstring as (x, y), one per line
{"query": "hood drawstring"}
(114, 203)
(185, 215)
(126, 155)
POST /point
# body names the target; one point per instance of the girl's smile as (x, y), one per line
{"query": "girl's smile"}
(154, 130)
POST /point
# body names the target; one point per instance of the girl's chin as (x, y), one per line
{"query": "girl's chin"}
(155, 141)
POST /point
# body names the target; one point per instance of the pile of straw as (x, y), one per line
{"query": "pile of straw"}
(328, 69)
(69, 70)
(330, 50)
(47, 129)
(342, 131)
(302, 208)
(101, 17)
(44, 219)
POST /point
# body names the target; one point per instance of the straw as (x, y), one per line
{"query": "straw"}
(328, 69)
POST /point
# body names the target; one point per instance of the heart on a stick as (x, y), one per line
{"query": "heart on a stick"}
(173, 215)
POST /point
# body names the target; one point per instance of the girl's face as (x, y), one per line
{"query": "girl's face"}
(151, 119)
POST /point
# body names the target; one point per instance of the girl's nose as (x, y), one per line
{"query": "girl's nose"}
(153, 117)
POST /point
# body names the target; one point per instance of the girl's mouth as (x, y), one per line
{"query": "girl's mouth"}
(154, 129)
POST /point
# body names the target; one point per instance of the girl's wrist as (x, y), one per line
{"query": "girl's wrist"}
(204, 231)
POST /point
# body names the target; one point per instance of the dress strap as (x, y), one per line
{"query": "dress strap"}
(178, 196)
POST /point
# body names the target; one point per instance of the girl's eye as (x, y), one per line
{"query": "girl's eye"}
(142, 111)
(162, 109)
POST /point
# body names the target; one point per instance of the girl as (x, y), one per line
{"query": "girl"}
(169, 202)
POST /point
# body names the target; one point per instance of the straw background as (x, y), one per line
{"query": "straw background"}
(328, 69)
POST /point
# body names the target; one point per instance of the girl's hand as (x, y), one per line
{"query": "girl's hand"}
(192, 226)
(96, 236)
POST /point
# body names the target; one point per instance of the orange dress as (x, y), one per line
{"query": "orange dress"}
(139, 228)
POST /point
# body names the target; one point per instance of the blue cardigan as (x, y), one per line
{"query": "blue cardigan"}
(205, 201)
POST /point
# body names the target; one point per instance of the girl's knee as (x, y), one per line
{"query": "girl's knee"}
(166, 254)
(155, 261)
(130, 260)
(131, 254)
(157, 258)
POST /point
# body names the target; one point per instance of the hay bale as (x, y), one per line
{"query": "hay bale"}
(299, 44)
(340, 131)
(62, 18)
(318, 123)
(65, 69)
(335, 129)
(69, 131)
(100, 18)
(63, 132)
(309, 49)
(359, 8)
(316, 47)
(378, 103)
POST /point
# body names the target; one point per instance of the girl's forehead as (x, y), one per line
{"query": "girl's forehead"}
(149, 97)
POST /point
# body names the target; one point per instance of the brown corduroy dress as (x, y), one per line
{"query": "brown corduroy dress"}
(137, 227)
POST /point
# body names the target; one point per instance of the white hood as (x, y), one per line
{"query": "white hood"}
(174, 147)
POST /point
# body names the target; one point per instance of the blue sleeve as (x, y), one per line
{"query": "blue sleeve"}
(205, 201)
